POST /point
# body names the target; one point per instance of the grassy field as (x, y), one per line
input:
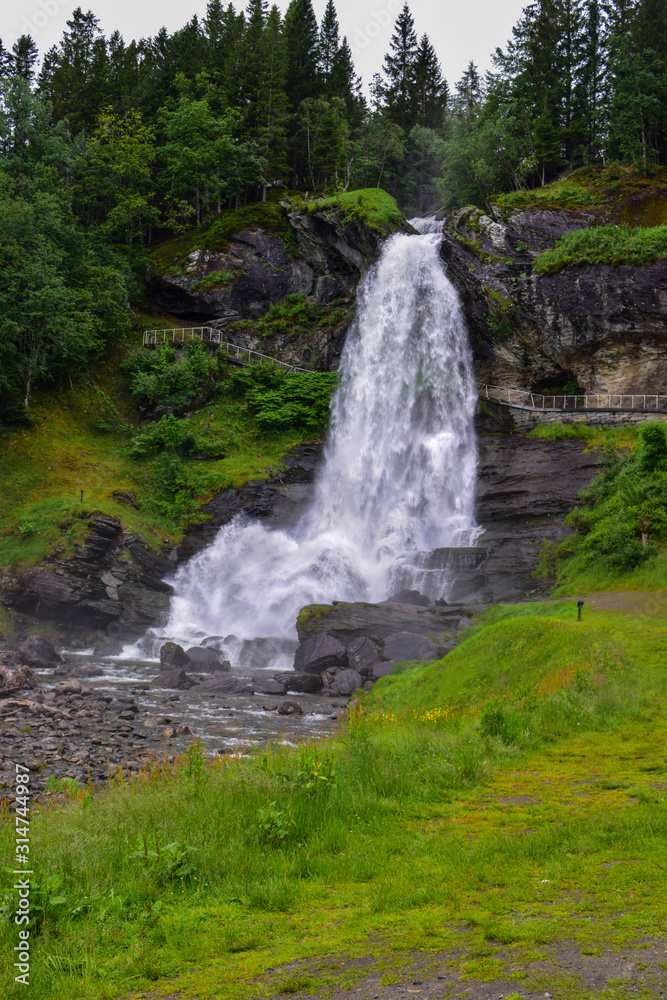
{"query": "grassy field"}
(496, 817)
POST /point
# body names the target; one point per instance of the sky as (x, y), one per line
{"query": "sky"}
(460, 30)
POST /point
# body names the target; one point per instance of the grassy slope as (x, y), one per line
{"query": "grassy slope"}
(495, 824)
(372, 206)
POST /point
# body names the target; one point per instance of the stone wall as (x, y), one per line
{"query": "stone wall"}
(525, 419)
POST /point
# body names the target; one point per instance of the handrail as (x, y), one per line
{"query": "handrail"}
(208, 335)
(527, 400)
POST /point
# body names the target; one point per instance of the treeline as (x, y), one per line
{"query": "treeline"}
(112, 146)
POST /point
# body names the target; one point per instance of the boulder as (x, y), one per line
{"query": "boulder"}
(362, 654)
(268, 685)
(319, 653)
(381, 669)
(207, 659)
(302, 683)
(224, 685)
(290, 708)
(341, 682)
(328, 288)
(264, 651)
(68, 687)
(410, 597)
(410, 646)
(38, 651)
(173, 655)
(87, 670)
(176, 678)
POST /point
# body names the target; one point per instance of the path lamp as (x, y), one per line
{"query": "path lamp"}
(580, 605)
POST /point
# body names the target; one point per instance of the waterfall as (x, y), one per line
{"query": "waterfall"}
(398, 477)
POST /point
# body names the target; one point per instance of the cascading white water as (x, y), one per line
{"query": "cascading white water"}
(399, 470)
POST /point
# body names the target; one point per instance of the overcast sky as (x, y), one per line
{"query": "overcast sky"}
(459, 29)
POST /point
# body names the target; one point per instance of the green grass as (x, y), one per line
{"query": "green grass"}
(488, 813)
(372, 206)
(612, 245)
(596, 436)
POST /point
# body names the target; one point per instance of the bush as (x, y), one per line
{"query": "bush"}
(164, 382)
(282, 400)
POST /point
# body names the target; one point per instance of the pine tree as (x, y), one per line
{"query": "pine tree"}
(24, 58)
(250, 61)
(591, 80)
(431, 90)
(301, 43)
(399, 71)
(346, 83)
(214, 24)
(73, 74)
(5, 61)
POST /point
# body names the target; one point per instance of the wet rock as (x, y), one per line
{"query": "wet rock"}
(270, 706)
(224, 685)
(466, 622)
(205, 658)
(108, 647)
(348, 621)
(264, 651)
(301, 683)
(87, 670)
(68, 687)
(381, 669)
(409, 646)
(329, 288)
(268, 685)
(173, 655)
(290, 708)
(362, 654)
(176, 678)
(38, 651)
(319, 653)
(9, 658)
(341, 682)
(410, 597)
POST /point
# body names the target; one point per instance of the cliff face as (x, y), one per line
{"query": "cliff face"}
(603, 328)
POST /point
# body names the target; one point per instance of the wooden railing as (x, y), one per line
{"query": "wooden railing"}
(527, 400)
(208, 335)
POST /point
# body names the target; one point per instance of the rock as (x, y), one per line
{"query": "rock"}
(348, 621)
(9, 658)
(362, 654)
(317, 654)
(410, 597)
(173, 655)
(301, 683)
(328, 288)
(108, 647)
(224, 685)
(87, 670)
(265, 650)
(408, 646)
(206, 658)
(126, 497)
(341, 682)
(176, 678)
(268, 685)
(466, 622)
(68, 687)
(38, 651)
(24, 678)
(290, 708)
(270, 706)
(382, 669)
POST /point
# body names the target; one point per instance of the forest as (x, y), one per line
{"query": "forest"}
(108, 147)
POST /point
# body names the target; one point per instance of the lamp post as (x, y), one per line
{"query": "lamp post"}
(580, 605)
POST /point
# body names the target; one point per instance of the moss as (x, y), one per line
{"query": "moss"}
(269, 216)
(372, 207)
(216, 279)
(313, 612)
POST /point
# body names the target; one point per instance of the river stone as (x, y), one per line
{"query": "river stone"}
(38, 651)
(268, 685)
(319, 653)
(224, 685)
(176, 678)
(87, 670)
(68, 687)
(290, 708)
(207, 659)
(302, 683)
(362, 654)
(173, 655)
(410, 597)
(341, 682)
(409, 646)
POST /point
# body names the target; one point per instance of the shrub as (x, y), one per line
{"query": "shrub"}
(282, 400)
(162, 380)
(613, 245)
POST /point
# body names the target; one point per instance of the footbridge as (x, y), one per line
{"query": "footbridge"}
(209, 335)
(531, 408)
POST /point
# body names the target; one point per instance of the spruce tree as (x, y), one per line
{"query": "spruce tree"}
(302, 47)
(250, 62)
(73, 74)
(272, 105)
(399, 71)
(329, 44)
(431, 90)
(5, 61)
(24, 58)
